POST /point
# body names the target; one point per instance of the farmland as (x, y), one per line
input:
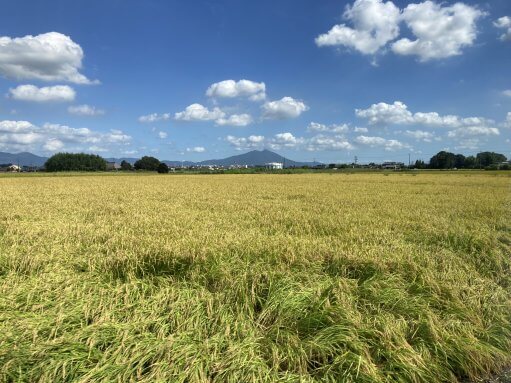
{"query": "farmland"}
(372, 277)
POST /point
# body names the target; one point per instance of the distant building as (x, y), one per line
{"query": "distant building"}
(9, 168)
(274, 165)
(113, 166)
(392, 165)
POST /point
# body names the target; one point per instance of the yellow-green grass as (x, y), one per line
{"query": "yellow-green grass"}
(255, 278)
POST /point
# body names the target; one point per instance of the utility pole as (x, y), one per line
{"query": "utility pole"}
(355, 162)
(409, 162)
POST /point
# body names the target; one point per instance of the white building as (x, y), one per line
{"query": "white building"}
(13, 168)
(274, 165)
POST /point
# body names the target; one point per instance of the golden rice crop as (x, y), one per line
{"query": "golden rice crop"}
(255, 278)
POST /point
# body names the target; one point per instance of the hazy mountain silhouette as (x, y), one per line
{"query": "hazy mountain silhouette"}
(23, 159)
(256, 157)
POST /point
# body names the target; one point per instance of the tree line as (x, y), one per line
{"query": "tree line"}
(61, 162)
(441, 160)
(151, 164)
(75, 162)
(448, 160)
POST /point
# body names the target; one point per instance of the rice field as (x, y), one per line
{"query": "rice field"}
(377, 277)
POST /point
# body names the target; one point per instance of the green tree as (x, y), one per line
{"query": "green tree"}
(442, 160)
(489, 158)
(163, 168)
(419, 164)
(459, 161)
(147, 163)
(125, 165)
(75, 162)
(470, 162)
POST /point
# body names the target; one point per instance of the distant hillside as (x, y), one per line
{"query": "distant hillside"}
(256, 157)
(23, 159)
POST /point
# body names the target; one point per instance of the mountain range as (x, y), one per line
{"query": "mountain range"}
(22, 159)
(252, 158)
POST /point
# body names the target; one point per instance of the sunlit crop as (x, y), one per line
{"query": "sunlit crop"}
(255, 278)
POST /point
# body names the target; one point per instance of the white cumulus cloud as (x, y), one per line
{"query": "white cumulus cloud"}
(440, 31)
(57, 93)
(375, 23)
(285, 140)
(245, 143)
(288, 140)
(85, 110)
(53, 145)
(162, 135)
(504, 23)
(399, 114)
(396, 113)
(198, 112)
(8, 126)
(196, 149)
(154, 117)
(285, 108)
(48, 57)
(25, 136)
(255, 91)
(421, 135)
(18, 134)
(328, 143)
(474, 131)
(334, 128)
(235, 120)
(388, 145)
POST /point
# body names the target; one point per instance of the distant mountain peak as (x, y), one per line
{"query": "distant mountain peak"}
(22, 158)
(254, 158)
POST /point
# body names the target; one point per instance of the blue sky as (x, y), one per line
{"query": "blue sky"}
(325, 80)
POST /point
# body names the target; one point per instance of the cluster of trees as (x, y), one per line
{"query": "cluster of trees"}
(125, 165)
(75, 162)
(146, 163)
(447, 160)
(151, 164)
(90, 162)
